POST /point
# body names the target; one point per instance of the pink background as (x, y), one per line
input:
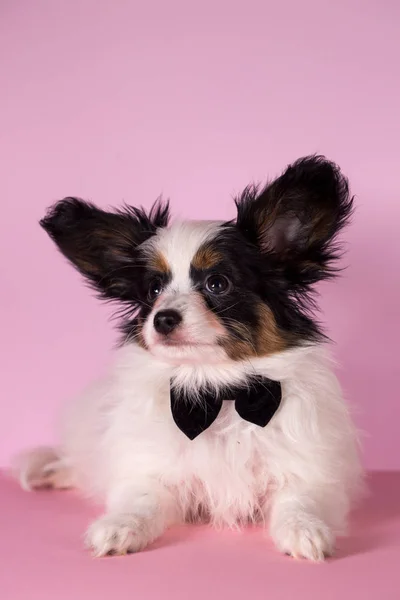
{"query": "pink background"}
(121, 101)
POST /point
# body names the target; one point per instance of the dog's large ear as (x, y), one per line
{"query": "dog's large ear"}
(103, 245)
(296, 218)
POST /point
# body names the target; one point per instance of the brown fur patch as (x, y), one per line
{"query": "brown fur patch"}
(269, 339)
(263, 340)
(159, 263)
(206, 257)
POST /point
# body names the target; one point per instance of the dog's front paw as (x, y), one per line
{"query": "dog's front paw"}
(305, 536)
(117, 534)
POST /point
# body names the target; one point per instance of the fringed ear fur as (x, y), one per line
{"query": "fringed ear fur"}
(295, 219)
(103, 245)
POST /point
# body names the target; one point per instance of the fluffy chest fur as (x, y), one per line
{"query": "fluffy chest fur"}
(228, 473)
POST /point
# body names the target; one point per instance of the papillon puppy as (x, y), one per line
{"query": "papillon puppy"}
(222, 405)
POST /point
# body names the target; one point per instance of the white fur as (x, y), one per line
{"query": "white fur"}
(197, 335)
(120, 444)
(301, 470)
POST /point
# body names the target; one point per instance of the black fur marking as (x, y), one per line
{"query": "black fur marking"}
(295, 220)
(255, 279)
(104, 247)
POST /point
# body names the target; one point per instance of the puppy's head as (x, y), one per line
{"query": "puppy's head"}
(211, 291)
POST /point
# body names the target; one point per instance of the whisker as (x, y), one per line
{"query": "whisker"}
(219, 312)
(247, 339)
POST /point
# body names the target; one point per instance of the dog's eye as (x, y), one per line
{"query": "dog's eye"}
(155, 288)
(217, 285)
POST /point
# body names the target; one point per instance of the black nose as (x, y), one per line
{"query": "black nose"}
(166, 321)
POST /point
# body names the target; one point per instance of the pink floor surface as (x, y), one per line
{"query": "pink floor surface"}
(42, 558)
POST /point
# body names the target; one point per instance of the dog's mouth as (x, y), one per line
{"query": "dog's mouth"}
(184, 350)
(171, 343)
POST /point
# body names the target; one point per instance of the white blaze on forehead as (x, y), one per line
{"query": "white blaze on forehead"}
(179, 243)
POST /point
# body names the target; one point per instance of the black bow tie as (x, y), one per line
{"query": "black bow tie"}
(256, 402)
